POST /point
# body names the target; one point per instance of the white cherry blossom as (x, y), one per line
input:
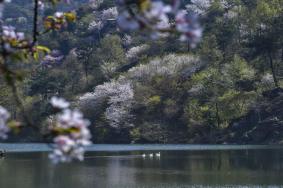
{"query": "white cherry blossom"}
(59, 14)
(72, 135)
(126, 22)
(189, 27)
(60, 103)
(159, 19)
(4, 129)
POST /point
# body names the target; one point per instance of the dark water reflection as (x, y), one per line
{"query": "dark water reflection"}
(238, 168)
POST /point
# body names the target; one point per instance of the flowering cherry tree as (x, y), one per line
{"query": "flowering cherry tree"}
(119, 95)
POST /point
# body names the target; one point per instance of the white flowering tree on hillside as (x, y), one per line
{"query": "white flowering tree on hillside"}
(119, 96)
(199, 6)
(166, 66)
(134, 52)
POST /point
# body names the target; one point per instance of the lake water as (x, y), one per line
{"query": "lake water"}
(122, 166)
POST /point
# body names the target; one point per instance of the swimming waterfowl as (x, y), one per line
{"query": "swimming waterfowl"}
(157, 154)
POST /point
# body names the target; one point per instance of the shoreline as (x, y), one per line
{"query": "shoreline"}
(41, 147)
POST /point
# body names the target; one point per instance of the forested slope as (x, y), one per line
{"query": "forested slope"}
(137, 90)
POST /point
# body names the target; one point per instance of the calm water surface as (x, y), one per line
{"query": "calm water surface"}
(123, 166)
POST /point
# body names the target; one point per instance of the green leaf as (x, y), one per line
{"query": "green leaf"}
(43, 48)
(70, 17)
(35, 55)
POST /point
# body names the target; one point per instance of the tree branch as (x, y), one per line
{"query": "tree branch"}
(35, 19)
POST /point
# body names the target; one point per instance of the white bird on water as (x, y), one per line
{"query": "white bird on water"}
(158, 154)
(151, 155)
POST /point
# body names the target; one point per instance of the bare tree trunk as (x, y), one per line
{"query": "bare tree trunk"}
(273, 70)
(217, 115)
(188, 47)
(86, 71)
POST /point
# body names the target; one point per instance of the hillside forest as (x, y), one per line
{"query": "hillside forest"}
(135, 89)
